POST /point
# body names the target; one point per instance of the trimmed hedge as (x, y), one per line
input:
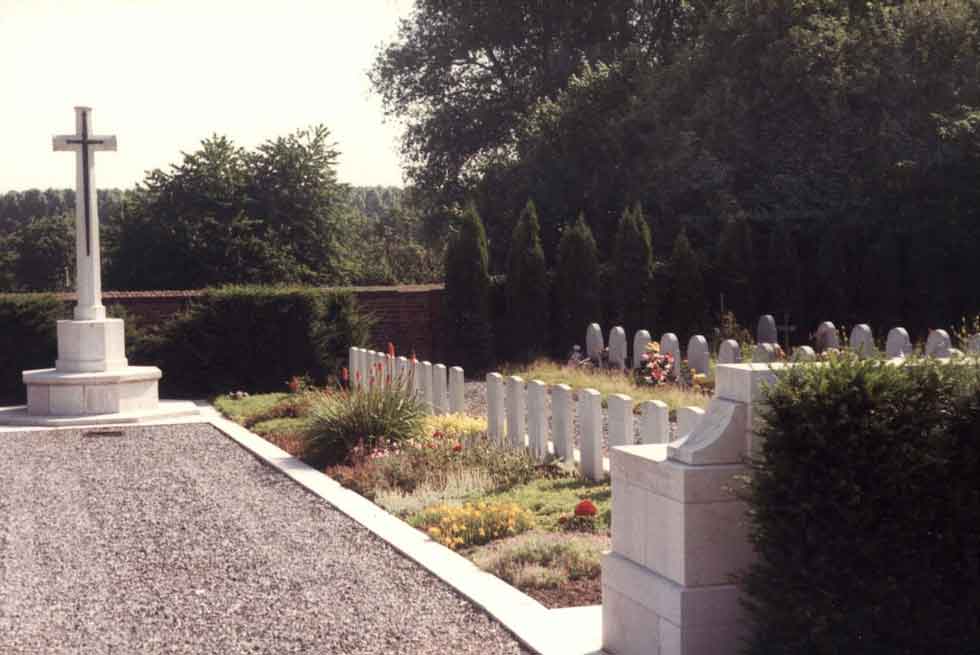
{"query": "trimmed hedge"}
(256, 338)
(865, 510)
(28, 339)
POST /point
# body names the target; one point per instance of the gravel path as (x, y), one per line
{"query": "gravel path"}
(475, 402)
(175, 540)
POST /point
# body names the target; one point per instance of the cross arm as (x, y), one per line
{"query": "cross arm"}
(74, 142)
(62, 143)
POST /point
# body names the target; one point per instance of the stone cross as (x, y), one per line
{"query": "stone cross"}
(89, 274)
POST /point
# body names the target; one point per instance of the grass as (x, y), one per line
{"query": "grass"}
(466, 483)
(537, 561)
(281, 426)
(241, 411)
(607, 383)
(551, 499)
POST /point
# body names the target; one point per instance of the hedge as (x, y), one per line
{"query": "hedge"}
(865, 510)
(251, 338)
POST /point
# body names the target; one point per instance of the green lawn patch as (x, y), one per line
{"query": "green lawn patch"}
(245, 409)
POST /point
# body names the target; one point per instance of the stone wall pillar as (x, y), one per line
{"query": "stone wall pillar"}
(679, 534)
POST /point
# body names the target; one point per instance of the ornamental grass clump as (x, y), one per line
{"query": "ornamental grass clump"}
(472, 524)
(369, 419)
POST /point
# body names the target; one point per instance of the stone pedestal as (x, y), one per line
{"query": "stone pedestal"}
(91, 346)
(679, 534)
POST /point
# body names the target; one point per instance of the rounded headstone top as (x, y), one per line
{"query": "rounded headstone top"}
(938, 344)
(594, 344)
(826, 336)
(764, 353)
(698, 354)
(617, 346)
(640, 342)
(862, 340)
(804, 354)
(729, 352)
(766, 330)
(898, 343)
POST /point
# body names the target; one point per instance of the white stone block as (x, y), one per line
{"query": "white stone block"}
(440, 393)
(562, 433)
(495, 408)
(67, 400)
(687, 420)
(515, 412)
(91, 346)
(590, 429)
(537, 419)
(620, 408)
(654, 422)
(457, 396)
(427, 391)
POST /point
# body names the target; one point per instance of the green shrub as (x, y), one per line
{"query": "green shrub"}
(577, 282)
(368, 419)
(688, 306)
(865, 510)
(527, 287)
(468, 295)
(28, 339)
(257, 338)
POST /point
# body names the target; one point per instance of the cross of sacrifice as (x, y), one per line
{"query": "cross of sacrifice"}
(89, 277)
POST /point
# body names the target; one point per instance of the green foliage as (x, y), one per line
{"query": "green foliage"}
(527, 288)
(735, 268)
(379, 416)
(28, 339)
(257, 338)
(468, 294)
(864, 510)
(577, 284)
(633, 260)
(43, 250)
(688, 307)
(536, 561)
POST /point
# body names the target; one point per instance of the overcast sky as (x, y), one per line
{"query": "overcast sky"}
(162, 75)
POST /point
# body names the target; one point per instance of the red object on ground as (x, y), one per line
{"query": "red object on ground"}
(586, 508)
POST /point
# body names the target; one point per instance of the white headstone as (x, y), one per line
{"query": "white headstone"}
(427, 391)
(537, 419)
(764, 353)
(594, 345)
(617, 347)
(495, 408)
(862, 340)
(938, 344)
(699, 354)
(561, 422)
(766, 330)
(640, 342)
(515, 412)
(827, 336)
(457, 395)
(898, 343)
(804, 354)
(669, 345)
(654, 422)
(729, 352)
(620, 408)
(590, 430)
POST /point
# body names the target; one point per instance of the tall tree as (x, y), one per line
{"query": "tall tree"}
(468, 294)
(633, 261)
(527, 288)
(688, 306)
(577, 282)
(734, 268)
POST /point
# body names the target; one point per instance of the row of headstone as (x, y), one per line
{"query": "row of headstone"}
(698, 350)
(440, 389)
(517, 417)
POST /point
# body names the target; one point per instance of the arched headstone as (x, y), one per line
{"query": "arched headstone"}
(594, 344)
(617, 347)
(804, 354)
(729, 352)
(862, 340)
(898, 343)
(669, 345)
(698, 354)
(938, 344)
(827, 337)
(640, 342)
(766, 331)
(764, 353)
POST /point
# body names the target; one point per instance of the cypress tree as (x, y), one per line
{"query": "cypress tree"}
(634, 271)
(735, 269)
(784, 278)
(688, 307)
(578, 284)
(468, 294)
(527, 287)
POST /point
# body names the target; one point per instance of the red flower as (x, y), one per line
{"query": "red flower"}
(586, 508)
(457, 447)
(437, 434)
(344, 374)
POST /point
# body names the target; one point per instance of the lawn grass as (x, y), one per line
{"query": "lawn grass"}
(281, 426)
(241, 411)
(607, 383)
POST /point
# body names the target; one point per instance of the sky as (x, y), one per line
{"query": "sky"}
(162, 75)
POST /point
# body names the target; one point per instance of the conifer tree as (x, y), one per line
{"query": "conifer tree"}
(735, 269)
(688, 307)
(784, 279)
(634, 272)
(527, 287)
(578, 284)
(468, 294)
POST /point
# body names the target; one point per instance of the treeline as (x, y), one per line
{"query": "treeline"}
(225, 215)
(815, 159)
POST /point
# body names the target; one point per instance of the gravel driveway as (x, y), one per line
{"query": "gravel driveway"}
(175, 540)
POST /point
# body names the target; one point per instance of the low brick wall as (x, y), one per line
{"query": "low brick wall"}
(408, 316)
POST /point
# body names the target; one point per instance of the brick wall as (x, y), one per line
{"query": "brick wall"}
(408, 316)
